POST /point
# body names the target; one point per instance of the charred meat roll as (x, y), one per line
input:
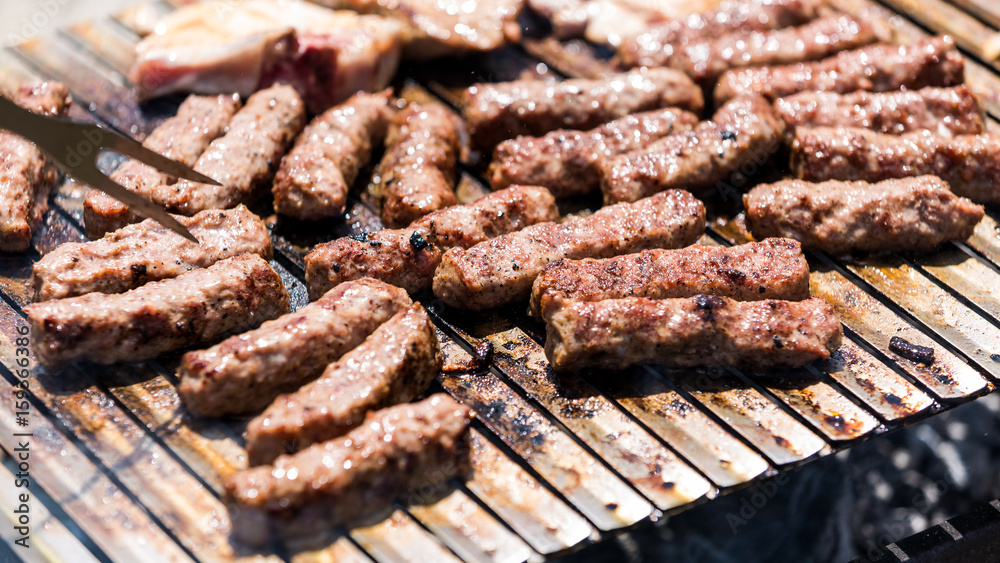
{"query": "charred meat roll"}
(408, 257)
(244, 373)
(317, 173)
(231, 296)
(655, 46)
(703, 330)
(147, 251)
(349, 478)
(500, 111)
(771, 269)
(945, 111)
(742, 134)
(26, 176)
(183, 137)
(905, 214)
(393, 365)
(417, 172)
(566, 161)
(878, 68)
(706, 60)
(501, 270)
(970, 164)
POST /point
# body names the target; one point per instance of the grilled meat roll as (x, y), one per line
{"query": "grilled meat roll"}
(742, 133)
(500, 111)
(317, 173)
(945, 111)
(348, 478)
(969, 163)
(148, 251)
(408, 257)
(417, 174)
(501, 270)
(771, 269)
(566, 161)
(686, 332)
(878, 68)
(904, 214)
(231, 296)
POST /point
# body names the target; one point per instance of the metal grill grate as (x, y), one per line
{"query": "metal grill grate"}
(558, 462)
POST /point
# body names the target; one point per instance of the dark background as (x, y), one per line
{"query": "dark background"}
(847, 505)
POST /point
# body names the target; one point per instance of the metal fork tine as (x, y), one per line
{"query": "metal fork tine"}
(134, 149)
(92, 176)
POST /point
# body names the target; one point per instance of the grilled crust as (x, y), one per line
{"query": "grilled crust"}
(231, 296)
(417, 173)
(408, 257)
(317, 173)
(500, 111)
(706, 60)
(771, 269)
(742, 134)
(878, 68)
(245, 372)
(199, 121)
(393, 365)
(906, 214)
(970, 164)
(566, 161)
(654, 47)
(26, 176)
(501, 270)
(349, 478)
(147, 251)
(687, 332)
(945, 111)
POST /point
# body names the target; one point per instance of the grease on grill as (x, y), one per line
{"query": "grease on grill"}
(482, 357)
(910, 351)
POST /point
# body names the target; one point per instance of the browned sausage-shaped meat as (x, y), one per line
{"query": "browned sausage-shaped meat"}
(742, 134)
(501, 270)
(417, 173)
(771, 269)
(969, 163)
(655, 46)
(393, 365)
(408, 257)
(945, 111)
(26, 176)
(687, 332)
(349, 478)
(878, 68)
(147, 251)
(244, 373)
(231, 296)
(317, 173)
(706, 60)
(500, 111)
(566, 161)
(183, 137)
(905, 214)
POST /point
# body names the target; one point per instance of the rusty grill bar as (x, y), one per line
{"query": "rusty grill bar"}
(558, 462)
